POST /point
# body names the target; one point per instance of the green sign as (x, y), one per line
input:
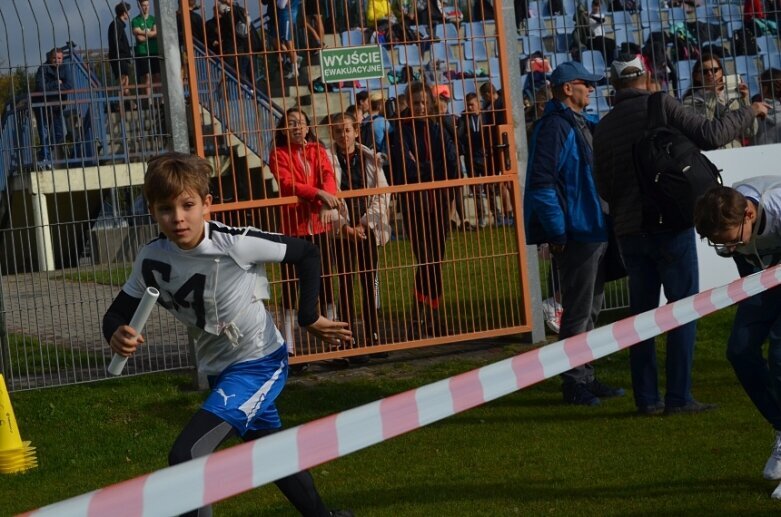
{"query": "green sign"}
(351, 63)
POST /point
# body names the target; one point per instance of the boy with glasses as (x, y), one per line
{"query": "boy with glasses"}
(744, 222)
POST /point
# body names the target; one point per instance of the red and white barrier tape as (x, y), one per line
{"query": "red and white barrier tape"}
(206, 480)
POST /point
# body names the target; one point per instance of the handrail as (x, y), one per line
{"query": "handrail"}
(241, 109)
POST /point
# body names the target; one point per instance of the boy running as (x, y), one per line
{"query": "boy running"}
(212, 278)
(744, 222)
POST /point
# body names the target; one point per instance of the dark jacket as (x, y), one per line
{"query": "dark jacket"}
(472, 139)
(223, 29)
(618, 131)
(416, 158)
(196, 26)
(560, 200)
(47, 80)
(118, 43)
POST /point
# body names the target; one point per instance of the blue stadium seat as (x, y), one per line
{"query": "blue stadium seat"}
(732, 26)
(562, 42)
(563, 24)
(474, 30)
(623, 20)
(593, 61)
(532, 44)
(536, 27)
(447, 32)
(731, 13)
(650, 5)
(410, 55)
(651, 19)
(768, 44)
(683, 69)
(461, 87)
(623, 35)
(456, 107)
(352, 38)
(676, 15)
(772, 61)
(706, 13)
(558, 58)
(493, 67)
(475, 50)
(421, 29)
(442, 52)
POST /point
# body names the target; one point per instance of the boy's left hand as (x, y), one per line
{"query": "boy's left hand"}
(330, 331)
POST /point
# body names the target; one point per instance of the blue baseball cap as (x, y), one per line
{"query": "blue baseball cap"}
(572, 71)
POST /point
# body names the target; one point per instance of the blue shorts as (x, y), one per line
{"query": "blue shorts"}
(244, 393)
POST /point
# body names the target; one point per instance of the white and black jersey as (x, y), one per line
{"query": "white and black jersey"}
(217, 290)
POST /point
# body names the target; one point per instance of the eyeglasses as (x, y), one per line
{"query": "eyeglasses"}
(584, 83)
(727, 249)
(706, 71)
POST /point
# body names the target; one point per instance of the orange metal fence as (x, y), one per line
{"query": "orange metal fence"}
(443, 258)
(433, 194)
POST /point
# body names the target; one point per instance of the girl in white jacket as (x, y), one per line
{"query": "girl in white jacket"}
(363, 224)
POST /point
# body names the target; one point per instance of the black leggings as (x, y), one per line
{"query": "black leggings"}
(365, 254)
(427, 222)
(206, 431)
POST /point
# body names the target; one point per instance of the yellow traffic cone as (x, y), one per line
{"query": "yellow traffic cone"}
(15, 455)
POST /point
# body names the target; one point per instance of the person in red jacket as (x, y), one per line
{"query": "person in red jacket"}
(752, 9)
(303, 169)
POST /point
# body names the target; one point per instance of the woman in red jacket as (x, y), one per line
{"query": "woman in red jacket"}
(303, 169)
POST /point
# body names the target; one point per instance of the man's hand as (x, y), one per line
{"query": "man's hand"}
(125, 340)
(556, 248)
(760, 109)
(329, 331)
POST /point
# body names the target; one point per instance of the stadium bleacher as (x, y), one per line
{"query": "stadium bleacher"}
(687, 30)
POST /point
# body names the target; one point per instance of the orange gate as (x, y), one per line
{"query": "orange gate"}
(383, 137)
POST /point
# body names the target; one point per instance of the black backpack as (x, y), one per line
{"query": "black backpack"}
(672, 172)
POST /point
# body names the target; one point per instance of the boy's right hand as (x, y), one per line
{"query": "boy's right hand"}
(125, 340)
(329, 331)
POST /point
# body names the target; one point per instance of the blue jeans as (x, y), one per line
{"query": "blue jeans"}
(666, 260)
(51, 130)
(758, 318)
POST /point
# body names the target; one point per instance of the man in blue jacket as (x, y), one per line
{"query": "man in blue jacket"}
(563, 209)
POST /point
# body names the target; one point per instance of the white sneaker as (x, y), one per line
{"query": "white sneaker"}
(773, 465)
(776, 493)
(551, 310)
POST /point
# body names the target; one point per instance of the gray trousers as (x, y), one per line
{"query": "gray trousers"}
(582, 287)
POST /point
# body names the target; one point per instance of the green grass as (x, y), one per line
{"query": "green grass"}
(27, 354)
(524, 454)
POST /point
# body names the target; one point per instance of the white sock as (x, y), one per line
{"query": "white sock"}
(290, 318)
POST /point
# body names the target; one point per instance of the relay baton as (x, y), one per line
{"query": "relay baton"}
(139, 320)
